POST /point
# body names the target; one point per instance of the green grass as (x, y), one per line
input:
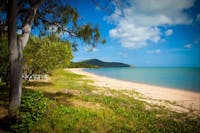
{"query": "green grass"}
(67, 80)
(69, 103)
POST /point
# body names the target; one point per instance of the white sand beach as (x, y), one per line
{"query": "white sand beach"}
(176, 99)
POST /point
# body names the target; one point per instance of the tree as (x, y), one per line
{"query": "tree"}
(25, 15)
(42, 55)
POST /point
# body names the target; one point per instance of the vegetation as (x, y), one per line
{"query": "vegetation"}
(95, 63)
(70, 103)
(81, 65)
(100, 63)
(43, 55)
(4, 59)
(43, 15)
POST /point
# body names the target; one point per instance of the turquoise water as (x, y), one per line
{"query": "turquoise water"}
(181, 78)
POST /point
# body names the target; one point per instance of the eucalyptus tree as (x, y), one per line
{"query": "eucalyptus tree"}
(27, 15)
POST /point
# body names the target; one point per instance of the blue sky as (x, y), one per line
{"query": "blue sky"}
(145, 32)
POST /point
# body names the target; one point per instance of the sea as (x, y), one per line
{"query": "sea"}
(173, 77)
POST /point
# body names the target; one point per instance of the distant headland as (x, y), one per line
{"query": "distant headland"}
(96, 63)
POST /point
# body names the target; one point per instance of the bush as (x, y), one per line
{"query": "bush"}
(33, 107)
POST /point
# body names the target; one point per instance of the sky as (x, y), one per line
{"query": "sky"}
(143, 32)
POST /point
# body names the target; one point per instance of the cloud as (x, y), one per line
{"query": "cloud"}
(131, 36)
(141, 21)
(156, 51)
(188, 46)
(198, 17)
(168, 32)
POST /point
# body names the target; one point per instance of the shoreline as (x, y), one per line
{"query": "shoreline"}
(184, 100)
(161, 86)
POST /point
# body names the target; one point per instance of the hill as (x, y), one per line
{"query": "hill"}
(99, 63)
(81, 65)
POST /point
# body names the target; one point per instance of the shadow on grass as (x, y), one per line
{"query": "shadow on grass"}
(38, 84)
(6, 123)
(4, 95)
(60, 97)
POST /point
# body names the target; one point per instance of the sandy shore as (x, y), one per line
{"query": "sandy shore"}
(181, 100)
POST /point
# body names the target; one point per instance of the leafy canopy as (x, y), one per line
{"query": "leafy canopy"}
(42, 55)
(52, 16)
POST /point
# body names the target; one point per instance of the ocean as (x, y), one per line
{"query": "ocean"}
(178, 78)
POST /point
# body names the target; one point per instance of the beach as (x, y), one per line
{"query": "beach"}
(176, 99)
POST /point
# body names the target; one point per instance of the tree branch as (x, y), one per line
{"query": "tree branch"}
(28, 22)
(71, 33)
(36, 3)
(20, 5)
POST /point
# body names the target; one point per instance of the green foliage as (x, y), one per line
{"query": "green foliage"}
(4, 58)
(42, 55)
(99, 63)
(89, 34)
(61, 15)
(95, 63)
(81, 65)
(62, 79)
(33, 108)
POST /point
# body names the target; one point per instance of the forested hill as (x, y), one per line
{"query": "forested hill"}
(100, 63)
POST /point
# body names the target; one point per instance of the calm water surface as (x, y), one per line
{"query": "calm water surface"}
(181, 78)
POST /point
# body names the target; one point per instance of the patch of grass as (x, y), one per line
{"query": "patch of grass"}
(65, 79)
(131, 116)
(69, 103)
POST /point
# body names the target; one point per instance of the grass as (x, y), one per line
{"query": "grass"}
(70, 103)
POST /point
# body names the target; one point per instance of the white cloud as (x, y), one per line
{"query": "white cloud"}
(168, 32)
(188, 46)
(142, 20)
(156, 51)
(131, 36)
(114, 17)
(198, 17)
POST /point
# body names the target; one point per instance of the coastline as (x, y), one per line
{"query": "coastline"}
(176, 99)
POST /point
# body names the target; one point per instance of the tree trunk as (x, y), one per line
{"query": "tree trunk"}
(16, 47)
(15, 59)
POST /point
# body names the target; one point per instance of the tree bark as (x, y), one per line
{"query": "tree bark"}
(15, 59)
(16, 52)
